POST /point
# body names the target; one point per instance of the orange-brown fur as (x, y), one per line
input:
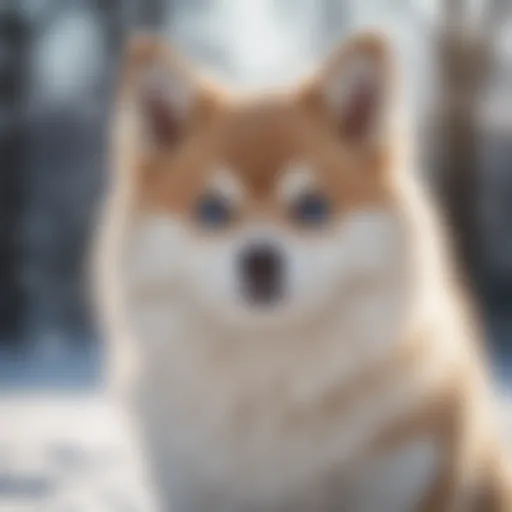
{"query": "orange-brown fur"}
(235, 136)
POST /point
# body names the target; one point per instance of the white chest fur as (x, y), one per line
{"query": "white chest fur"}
(263, 427)
(394, 482)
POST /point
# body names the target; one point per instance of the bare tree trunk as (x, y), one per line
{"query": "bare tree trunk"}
(465, 54)
(14, 38)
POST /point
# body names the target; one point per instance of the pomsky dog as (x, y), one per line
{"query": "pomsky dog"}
(300, 336)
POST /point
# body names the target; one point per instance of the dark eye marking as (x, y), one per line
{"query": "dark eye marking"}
(213, 211)
(311, 209)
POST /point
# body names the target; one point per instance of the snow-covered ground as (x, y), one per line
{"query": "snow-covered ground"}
(64, 445)
(69, 453)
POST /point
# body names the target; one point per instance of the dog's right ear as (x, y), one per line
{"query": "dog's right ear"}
(356, 89)
(167, 97)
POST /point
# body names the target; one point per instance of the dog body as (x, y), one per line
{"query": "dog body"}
(300, 340)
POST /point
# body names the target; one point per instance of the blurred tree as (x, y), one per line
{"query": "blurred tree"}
(15, 37)
(466, 44)
(152, 13)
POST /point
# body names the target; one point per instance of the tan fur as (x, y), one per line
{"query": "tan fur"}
(256, 138)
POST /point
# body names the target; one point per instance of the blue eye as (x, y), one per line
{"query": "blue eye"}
(311, 209)
(212, 211)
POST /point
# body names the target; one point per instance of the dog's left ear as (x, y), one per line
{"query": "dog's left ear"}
(167, 95)
(356, 88)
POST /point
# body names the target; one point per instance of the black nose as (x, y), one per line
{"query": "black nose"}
(261, 273)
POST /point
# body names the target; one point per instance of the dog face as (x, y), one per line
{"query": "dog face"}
(266, 210)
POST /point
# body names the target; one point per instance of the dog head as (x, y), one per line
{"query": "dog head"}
(264, 209)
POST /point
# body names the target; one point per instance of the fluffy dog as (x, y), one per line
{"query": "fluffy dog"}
(301, 340)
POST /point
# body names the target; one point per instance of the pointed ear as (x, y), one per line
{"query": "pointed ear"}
(164, 92)
(356, 88)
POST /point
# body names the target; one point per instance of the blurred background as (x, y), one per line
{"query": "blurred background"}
(57, 66)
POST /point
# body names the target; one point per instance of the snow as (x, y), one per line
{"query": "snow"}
(69, 452)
